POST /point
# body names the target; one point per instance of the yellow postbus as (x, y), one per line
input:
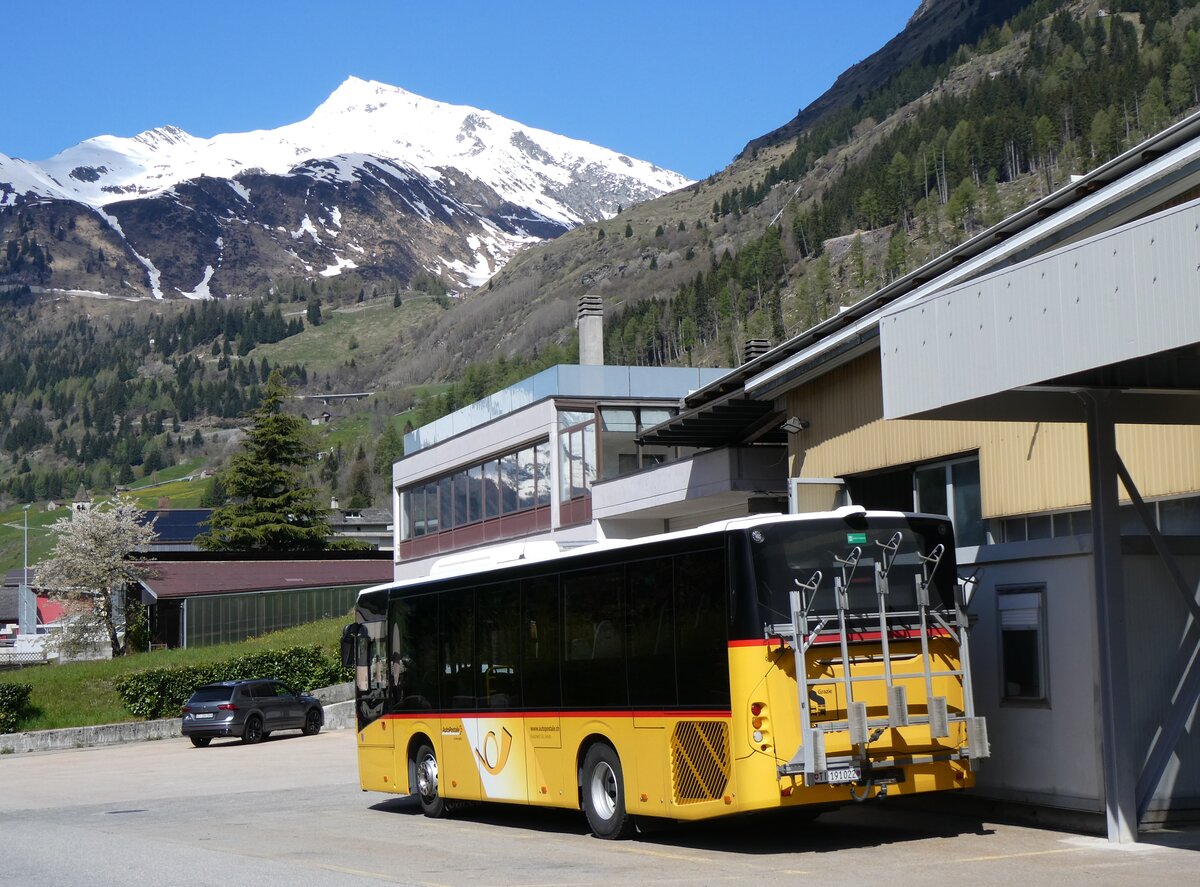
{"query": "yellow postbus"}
(658, 677)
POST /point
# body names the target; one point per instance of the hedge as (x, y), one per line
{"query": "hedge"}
(161, 692)
(14, 698)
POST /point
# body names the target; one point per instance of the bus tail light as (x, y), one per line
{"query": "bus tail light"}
(758, 721)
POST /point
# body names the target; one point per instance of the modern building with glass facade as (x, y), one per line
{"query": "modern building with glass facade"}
(522, 463)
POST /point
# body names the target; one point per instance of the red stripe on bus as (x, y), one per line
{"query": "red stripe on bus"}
(477, 713)
(829, 638)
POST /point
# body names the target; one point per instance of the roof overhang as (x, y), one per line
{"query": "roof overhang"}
(1118, 313)
(727, 421)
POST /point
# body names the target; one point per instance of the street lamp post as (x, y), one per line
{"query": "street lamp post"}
(26, 612)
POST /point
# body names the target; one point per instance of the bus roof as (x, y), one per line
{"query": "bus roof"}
(511, 554)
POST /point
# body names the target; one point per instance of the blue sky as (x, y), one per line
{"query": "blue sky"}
(681, 84)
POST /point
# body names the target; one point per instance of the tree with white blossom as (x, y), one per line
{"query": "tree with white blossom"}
(92, 565)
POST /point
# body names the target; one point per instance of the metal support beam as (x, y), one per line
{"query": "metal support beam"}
(1120, 761)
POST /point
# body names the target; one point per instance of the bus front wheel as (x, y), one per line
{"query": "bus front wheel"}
(433, 805)
(604, 793)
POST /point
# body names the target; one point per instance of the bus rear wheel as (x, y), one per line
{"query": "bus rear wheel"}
(433, 804)
(603, 787)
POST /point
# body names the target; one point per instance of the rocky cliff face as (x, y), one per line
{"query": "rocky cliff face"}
(936, 29)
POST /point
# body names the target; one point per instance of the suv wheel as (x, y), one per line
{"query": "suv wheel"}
(312, 722)
(253, 731)
(201, 741)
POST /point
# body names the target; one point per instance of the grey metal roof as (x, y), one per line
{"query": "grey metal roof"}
(1119, 312)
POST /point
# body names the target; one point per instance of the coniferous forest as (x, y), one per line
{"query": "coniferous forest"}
(1053, 95)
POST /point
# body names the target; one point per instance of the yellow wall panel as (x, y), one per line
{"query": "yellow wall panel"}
(1025, 467)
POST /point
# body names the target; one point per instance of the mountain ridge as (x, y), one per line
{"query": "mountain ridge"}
(452, 191)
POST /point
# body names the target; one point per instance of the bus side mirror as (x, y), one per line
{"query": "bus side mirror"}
(350, 635)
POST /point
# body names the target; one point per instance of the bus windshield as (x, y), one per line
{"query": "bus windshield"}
(813, 557)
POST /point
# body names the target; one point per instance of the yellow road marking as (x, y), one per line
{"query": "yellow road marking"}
(1019, 855)
(345, 870)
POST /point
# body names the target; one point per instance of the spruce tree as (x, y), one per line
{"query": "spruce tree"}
(389, 449)
(271, 507)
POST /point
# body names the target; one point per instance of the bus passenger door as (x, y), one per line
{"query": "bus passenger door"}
(376, 760)
(541, 634)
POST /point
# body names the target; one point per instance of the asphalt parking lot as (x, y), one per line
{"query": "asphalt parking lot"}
(289, 811)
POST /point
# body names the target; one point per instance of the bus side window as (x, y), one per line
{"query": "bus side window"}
(540, 640)
(650, 616)
(594, 669)
(413, 655)
(701, 629)
(459, 662)
(498, 644)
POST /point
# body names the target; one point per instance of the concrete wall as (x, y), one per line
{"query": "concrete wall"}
(1042, 753)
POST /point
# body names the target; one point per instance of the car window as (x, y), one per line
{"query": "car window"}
(212, 694)
(264, 691)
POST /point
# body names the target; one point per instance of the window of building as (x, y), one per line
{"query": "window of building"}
(542, 457)
(1172, 517)
(620, 453)
(577, 453)
(506, 484)
(1022, 620)
(952, 488)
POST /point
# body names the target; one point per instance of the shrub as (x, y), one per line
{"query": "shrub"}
(161, 692)
(14, 699)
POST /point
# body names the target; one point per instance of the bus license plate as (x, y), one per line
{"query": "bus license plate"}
(839, 776)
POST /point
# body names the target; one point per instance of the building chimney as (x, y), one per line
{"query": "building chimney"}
(590, 321)
(755, 348)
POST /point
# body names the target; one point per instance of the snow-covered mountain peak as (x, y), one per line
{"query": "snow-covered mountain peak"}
(355, 93)
(530, 167)
(375, 175)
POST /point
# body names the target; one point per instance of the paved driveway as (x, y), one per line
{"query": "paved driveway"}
(289, 811)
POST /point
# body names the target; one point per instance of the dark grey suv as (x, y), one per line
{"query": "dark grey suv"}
(252, 710)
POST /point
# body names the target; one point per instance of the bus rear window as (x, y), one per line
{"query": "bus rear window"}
(813, 557)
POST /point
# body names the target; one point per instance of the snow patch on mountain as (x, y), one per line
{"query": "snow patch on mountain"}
(201, 291)
(340, 264)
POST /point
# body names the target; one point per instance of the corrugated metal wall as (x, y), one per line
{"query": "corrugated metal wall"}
(1025, 467)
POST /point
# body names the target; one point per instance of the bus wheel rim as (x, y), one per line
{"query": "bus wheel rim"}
(427, 777)
(604, 790)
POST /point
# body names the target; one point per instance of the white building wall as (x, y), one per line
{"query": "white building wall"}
(1049, 753)
(1042, 753)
